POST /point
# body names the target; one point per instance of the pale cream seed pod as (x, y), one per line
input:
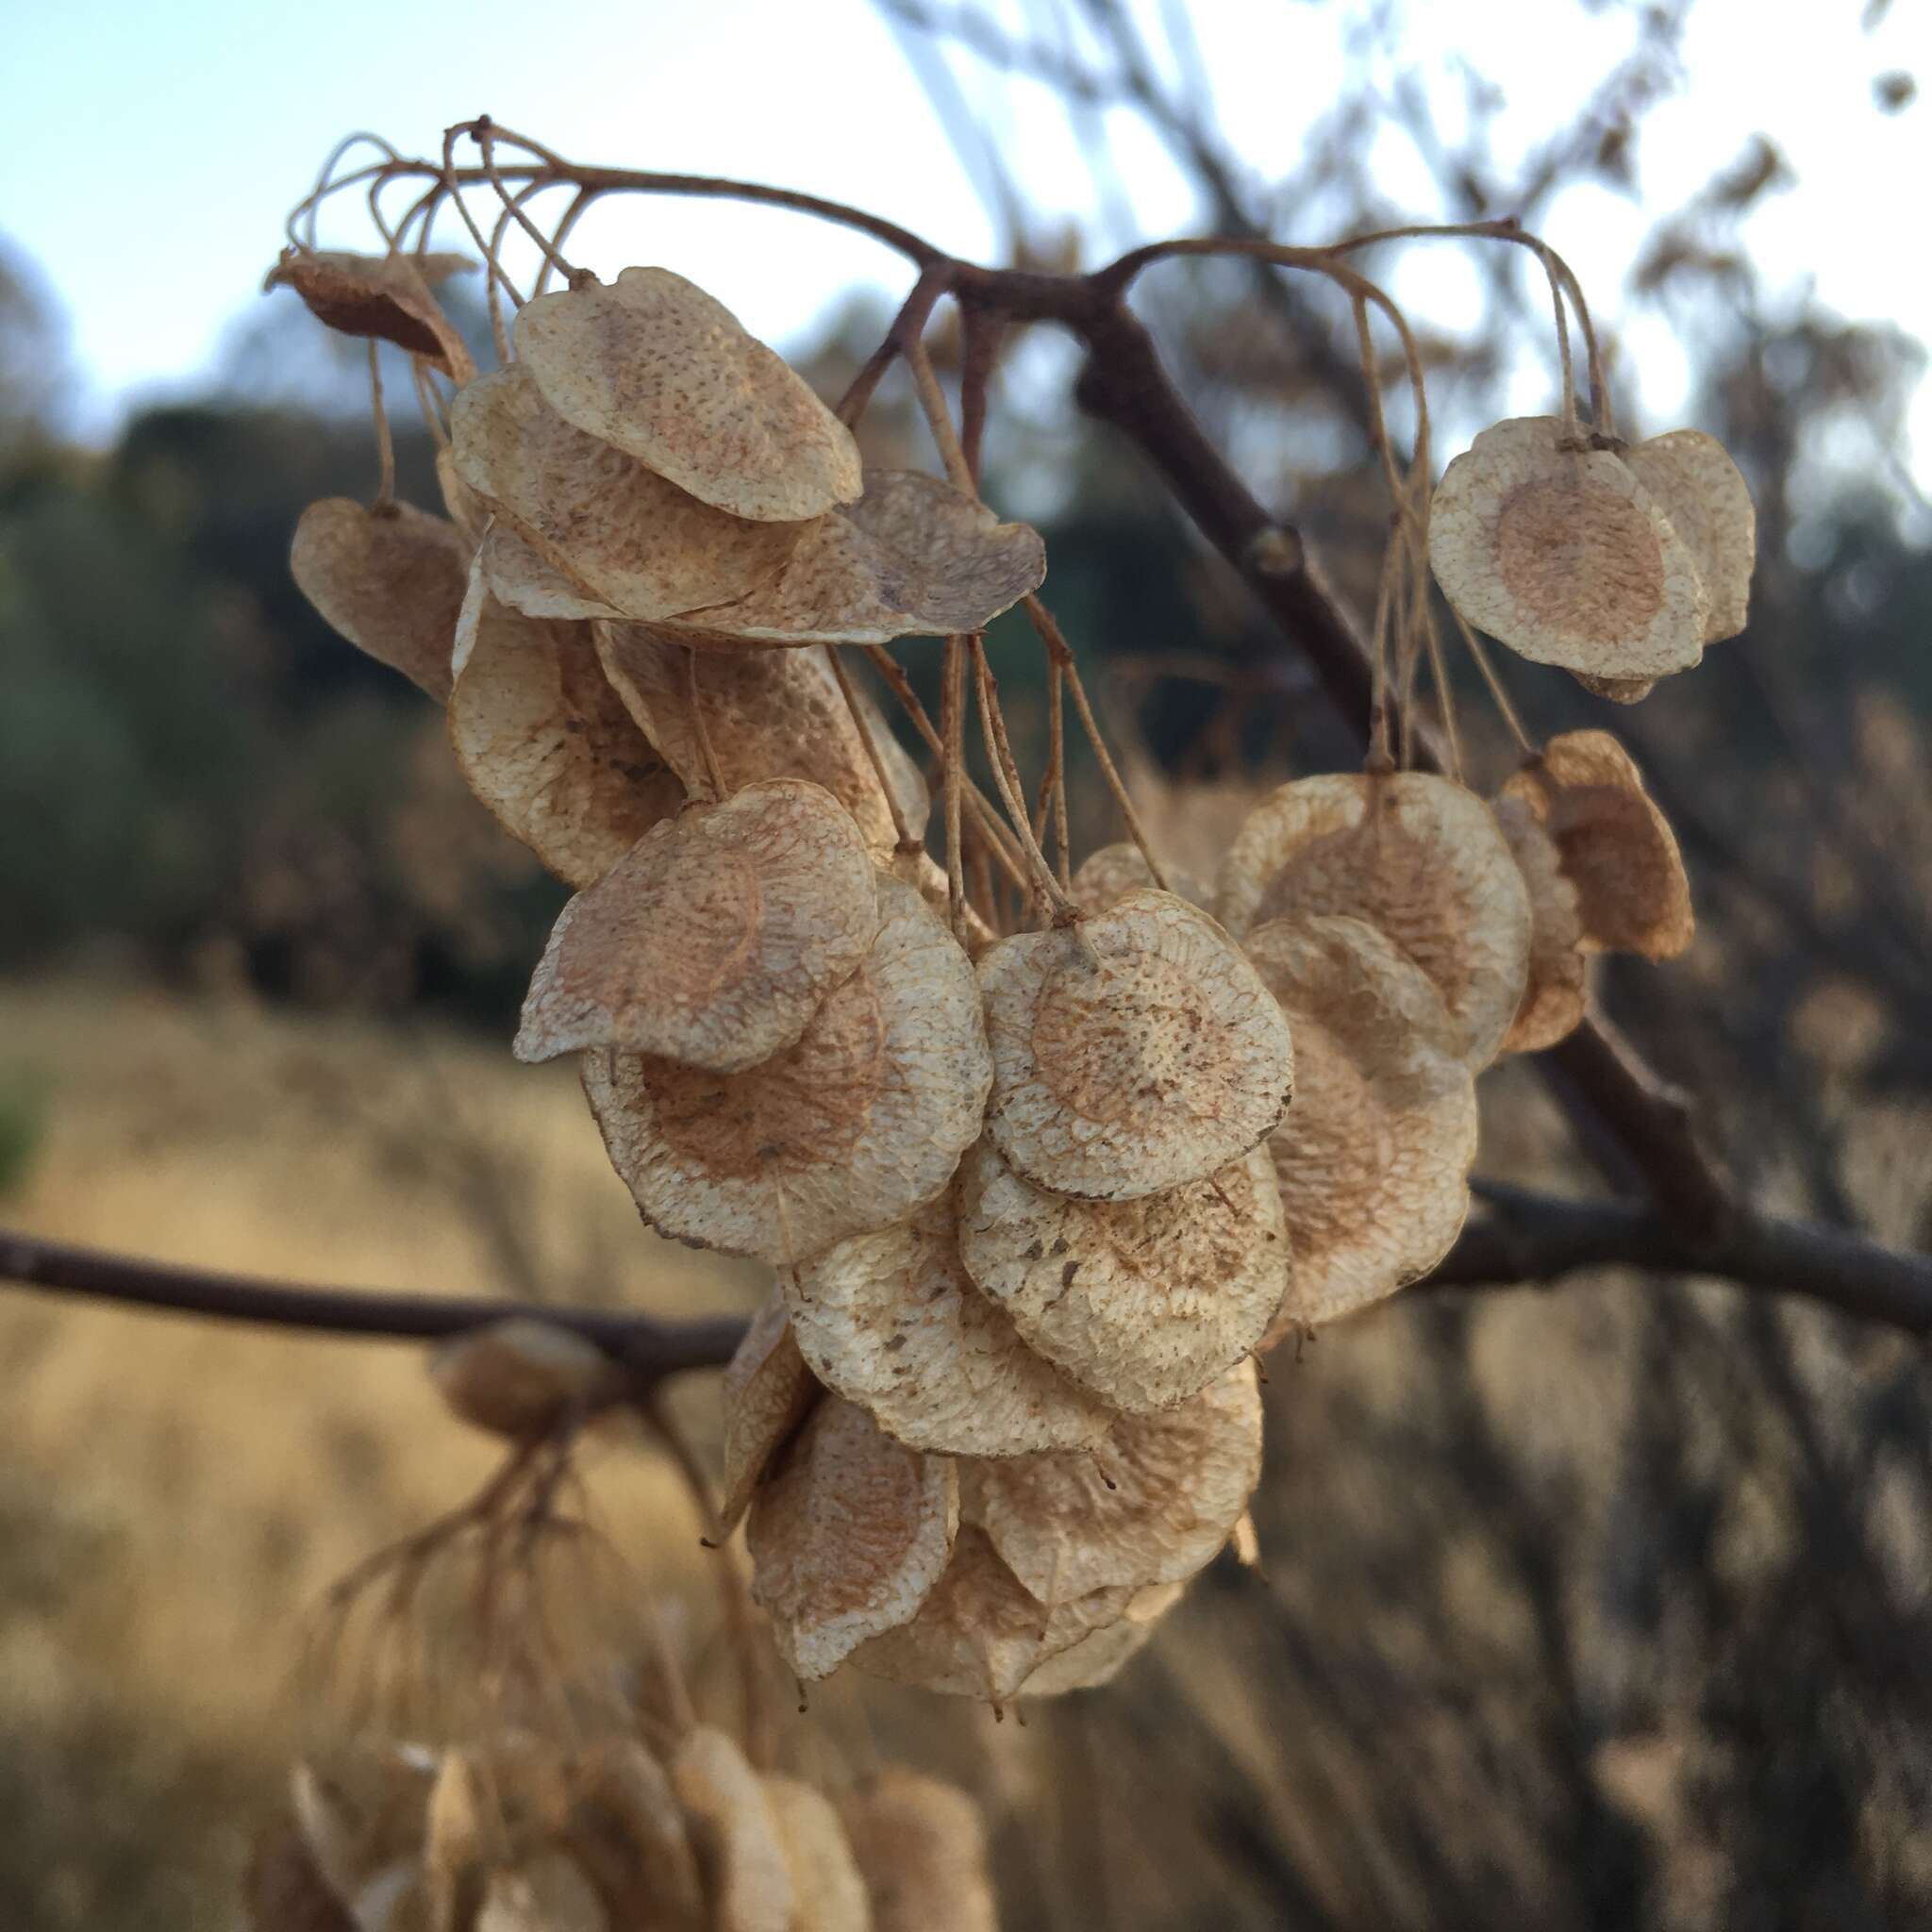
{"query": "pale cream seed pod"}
(1694, 480)
(920, 1847)
(736, 1836)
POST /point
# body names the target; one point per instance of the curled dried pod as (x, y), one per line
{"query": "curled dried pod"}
(1134, 1052)
(892, 1322)
(848, 1537)
(545, 744)
(715, 939)
(740, 1854)
(390, 580)
(522, 1378)
(1144, 1302)
(1690, 476)
(1616, 848)
(657, 368)
(1151, 1503)
(981, 1633)
(912, 556)
(1553, 999)
(620, 532)
(763, 714)
(1372, 1159)
(1416, 856)
(921, 1848)
(384, 296)
(860, 1123)
(1557, 550)
(827, 1888)
(1105, 876)
(767, 1392)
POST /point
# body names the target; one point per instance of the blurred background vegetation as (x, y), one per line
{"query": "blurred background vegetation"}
(1605, 1608)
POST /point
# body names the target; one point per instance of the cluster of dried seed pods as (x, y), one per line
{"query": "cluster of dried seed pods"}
(614, 1836)
(1619, 562)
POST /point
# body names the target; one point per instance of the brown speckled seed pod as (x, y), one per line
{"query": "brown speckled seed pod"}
(545, 744)
(1691, 478)
(1142, 1302)
(1372, 1159)
(1617, 848)
(715, 939)
(390, 580)
(767, 1392)
(1553, 1000)
(1414, 854)
(666, 373)
(1133, 1053)
(618, 531)
(1562, 555)
(1105, 876)
(852, 1129)
(848, 1537)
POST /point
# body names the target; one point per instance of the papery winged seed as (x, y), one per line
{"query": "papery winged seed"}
(1144, 1302)
(519, 576)
(390, 580)
(1616, 848)
(1134, 1053)
(1561, 554)
(922, 1850)
(543, 742)
(912, 556)
(1153, 1503)
(622, 1825)
(387, 297)
(827, 1888)
(736, 1835)
(981, 1633)
(1416, 856)
(767, 1392)
(848, 1537)
(1105, 876)
(1697, 485)
(1553, 1000)
(617, 530)
(715, 939)
(893, 1322)
(855, 1128)
(667, 374)
(521, 1377)
(1372, 1159)
(766, 714)
(1100, 1657)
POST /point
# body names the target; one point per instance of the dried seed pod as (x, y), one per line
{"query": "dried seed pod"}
(283, 1892)
(1561, 554)
(666, 373)
(468, 512)
(1151, 1503)
(715, 939)
(622, 1825)
(544, 743)
(736, 1839)
(520, 578)
(765, 714)
(981, 1633)
(1100, 1657)
(1416, 856)
(1691, 478)
(860, 1123)
(1132, 1052)
(1553, 1000)
(913, 556)
(457, 1843)
(1618, 691)
(544, 1892)
(922, 1849)
(521, 1377)
(616, 529)
(1142, 1302)
(1617, 848)
(767, 1392)
(1372, 1159)
(384, 296)
(893, 1322)
(390, 580)
(829, 1891)
(848, 1535)
(1105, 876)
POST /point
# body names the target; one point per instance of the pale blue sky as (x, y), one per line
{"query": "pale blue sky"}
(153, 148)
